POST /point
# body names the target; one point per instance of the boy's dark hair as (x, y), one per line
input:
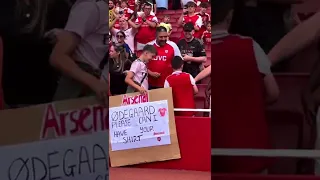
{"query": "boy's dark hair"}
(220, 10)
(204, 5)
(150, 48)
(176, 62)
(188, 27)
(161, 29)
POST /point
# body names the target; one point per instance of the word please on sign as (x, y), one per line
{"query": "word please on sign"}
(139, 125)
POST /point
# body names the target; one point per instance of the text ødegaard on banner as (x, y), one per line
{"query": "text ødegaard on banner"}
(139, 125)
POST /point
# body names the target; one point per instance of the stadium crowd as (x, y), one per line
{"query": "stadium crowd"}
(143, 55)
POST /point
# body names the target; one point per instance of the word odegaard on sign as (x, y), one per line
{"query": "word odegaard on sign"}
(139, 125)
(70, 158)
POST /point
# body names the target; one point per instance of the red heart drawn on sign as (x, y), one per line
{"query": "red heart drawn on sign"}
(162, 111)
(159, 138)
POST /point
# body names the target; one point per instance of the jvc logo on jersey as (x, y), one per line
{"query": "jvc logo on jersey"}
(160, 58)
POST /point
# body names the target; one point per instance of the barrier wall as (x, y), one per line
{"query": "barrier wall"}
(194, 135)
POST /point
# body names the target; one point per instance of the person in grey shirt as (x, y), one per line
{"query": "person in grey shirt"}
(79, 50)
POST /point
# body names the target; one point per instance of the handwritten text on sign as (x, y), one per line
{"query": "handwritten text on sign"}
(71, 158)
(139, 125)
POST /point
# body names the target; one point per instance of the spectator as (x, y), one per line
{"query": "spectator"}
(142, 3)
(129, 33)
(193, 51)
(120, 36)
(111, 11)
(132, 4)
(146, 25)
(28, 78)
(137, 76)
(302, 37)
(243, 83)
(189, 15)
(160, 67)
(118, 66)
(124, 10)
(203, 74)
(79, 51)
(166, 24)
(183, 87)
(204, 16)
(206, 36)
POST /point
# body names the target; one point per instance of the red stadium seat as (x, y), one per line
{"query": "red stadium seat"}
(194, 136)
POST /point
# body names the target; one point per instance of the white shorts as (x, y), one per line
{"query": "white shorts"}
(141, 46)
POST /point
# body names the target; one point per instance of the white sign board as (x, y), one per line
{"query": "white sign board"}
(139, 125)
(73, 158)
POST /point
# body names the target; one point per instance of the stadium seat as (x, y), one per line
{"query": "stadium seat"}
(194, 134)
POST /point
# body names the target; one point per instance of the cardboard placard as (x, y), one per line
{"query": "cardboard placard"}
(61, 140)
(147, 154)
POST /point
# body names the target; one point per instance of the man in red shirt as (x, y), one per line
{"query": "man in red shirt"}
(189, 15)
(183, 87)
(160, 67)
(242, 83)
(146, 25)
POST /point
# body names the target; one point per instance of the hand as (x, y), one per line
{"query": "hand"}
(155, 74)
(186, 57)
(102, 90)
(52, 35)
(142, 90)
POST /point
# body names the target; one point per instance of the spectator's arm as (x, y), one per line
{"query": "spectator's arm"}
(198, 24)
(181, 20)
(302, 36)
(152, 23)
(154, 7)
(129, 80)
(203, 74)
(264, 64)
(68, 40)
(134, 25)
(193, 83)
(202, 51)
(166, 84)
(61, 58)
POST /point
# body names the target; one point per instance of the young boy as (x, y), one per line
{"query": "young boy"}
(183, 87)
(137, 76)
(206, 36)
(166, 24)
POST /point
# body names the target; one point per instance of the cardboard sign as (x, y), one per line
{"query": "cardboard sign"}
(148, 151)
(65, 140)
(139, 125)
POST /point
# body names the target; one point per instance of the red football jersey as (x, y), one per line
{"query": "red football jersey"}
(116, 25)
(196, 20)
(146, 33)
(205, 19)
(162, 62)
(238, 105)
(206, 37)
(132, 4)
(182, 91)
